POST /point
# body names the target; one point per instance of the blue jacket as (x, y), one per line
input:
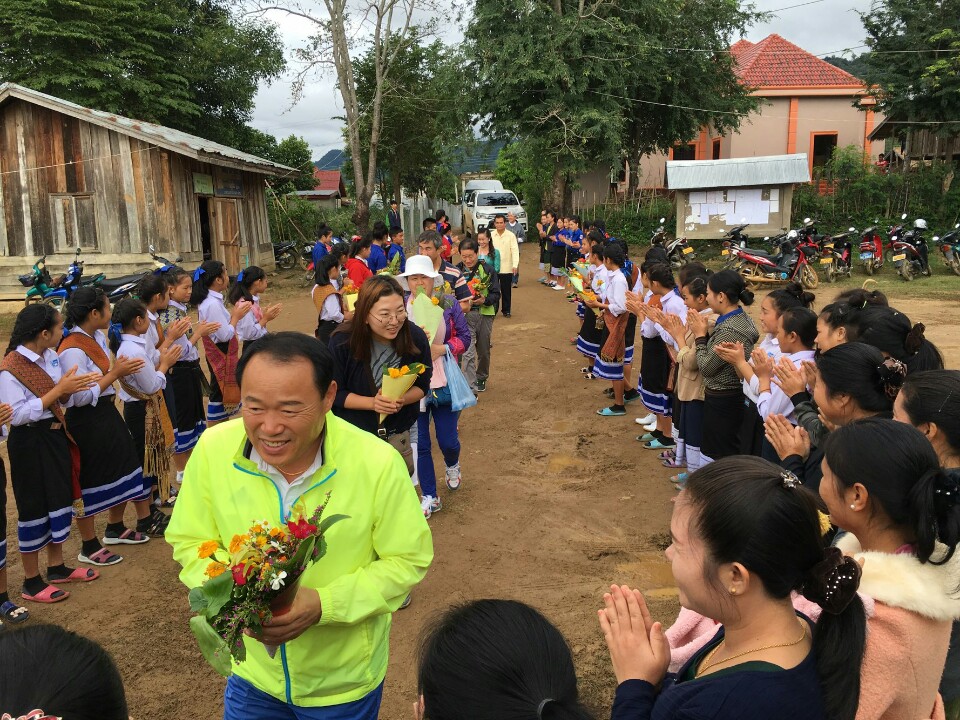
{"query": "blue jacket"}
(377, 260)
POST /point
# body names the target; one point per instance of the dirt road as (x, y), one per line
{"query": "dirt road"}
(556, 503)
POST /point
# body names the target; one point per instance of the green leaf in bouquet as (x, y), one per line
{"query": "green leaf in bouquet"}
(213, 647)
(217, 591)
(576, 283)
(328, 522)
(198, 600)
(304, 552)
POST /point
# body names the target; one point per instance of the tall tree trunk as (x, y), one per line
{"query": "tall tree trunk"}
(397, 190)
(556, 195)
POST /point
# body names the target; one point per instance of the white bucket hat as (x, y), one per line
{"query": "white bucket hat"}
(417, 265)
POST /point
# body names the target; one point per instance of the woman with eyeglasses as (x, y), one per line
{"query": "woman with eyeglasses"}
(378, 338)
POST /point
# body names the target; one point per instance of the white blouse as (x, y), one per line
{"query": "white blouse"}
(213, 310)
(776, 402)
(248, 327)
(330, 310)
(770, 345)
(148, 379)
(75, 357)
(671, 304)
(188, 351)
(615, 293)
(27, 407)
(152, 337)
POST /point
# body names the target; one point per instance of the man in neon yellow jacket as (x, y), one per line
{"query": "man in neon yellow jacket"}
(334, 641)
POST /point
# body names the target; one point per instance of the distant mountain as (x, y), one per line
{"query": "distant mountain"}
(855, 66)
(333, 160)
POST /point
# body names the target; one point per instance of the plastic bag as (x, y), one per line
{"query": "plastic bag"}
(461, 396)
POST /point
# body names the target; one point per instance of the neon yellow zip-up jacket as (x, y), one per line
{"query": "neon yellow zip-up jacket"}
(373, 558)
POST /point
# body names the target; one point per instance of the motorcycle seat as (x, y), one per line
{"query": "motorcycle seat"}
(110, 284)
(758, 252)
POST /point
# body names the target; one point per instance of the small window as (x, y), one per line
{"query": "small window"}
(74, 222)
(716, 149)
(822, 148)
(685, 152)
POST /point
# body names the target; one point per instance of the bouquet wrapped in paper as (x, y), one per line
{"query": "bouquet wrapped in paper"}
(427, 313)
(479, 285)
(349, 294)
(585, 294)
(256, 577)
(396, 381)
(393, 267)
(583, 268)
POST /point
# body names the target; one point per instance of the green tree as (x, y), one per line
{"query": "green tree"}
(189, 64)
(913, 67)
(594, 81)
(295, 152)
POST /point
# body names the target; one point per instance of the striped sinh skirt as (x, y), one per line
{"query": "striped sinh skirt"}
(588, 339)
(607, 369)
(186, 387)
(655, 376)
(630, 338)
(42, 488)
(111, 471)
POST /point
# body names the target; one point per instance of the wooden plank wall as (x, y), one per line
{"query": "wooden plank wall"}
(139, 193)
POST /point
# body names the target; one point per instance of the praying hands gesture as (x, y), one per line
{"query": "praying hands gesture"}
(176, 330)
(635, 304)
(733, 353)
(787, 439)
(6, 413)
(638, 647)
(673, 325)
(239, 311)
(697, 324)
(790, 379)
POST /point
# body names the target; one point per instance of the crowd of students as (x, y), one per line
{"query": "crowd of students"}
(816, 453)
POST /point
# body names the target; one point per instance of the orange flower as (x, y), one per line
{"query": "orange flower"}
(435, 301)
(394, 373)
(405, 370)
(238, 542)
(208, 548)
(275, 531)
(261, 541)
(214, 569)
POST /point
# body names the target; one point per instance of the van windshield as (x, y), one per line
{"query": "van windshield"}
(492, 199)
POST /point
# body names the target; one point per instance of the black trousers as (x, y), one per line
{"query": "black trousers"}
(506, 291)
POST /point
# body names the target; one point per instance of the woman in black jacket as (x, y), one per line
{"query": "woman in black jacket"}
(378, 338)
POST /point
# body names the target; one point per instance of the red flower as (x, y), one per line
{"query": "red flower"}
(301, 529)
(240, 574)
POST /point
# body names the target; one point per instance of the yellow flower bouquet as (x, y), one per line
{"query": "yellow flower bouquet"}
(396, 381)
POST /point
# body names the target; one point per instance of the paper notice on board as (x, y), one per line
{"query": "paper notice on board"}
(774, 206)
(774, 194)
(698, 197)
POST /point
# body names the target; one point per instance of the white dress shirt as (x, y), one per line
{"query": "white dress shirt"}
(27, 407)
(290, 491)
(188, 351)
(152, 338)
(615, 293)
(776, 402)
(75, 357)
(148, 379)
(671, 304)
(213, 310)
(248, 328)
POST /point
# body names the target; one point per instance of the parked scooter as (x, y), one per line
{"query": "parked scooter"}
(836, 254)
(950, 247)
(42, 287)
(119, 287)
(679, 252)
(871, 250)
(285, 255)
(910, 252)
(791, 262)
(75, 280)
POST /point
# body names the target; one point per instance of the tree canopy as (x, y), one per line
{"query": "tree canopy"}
(594, 81)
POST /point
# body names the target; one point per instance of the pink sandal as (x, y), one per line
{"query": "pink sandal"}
(100, 558)
(47, 596)
(127, 537)
(77, 575)
(672, 463)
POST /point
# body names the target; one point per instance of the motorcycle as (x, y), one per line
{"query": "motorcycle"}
(119, 287)
(679, 252)
(907, 253)
(836, 254)
(42, 287)
(734, 237)
(893, 235)
(790, 263)
(871, 250)
(284, 254)
(950, 247)
(74, 279)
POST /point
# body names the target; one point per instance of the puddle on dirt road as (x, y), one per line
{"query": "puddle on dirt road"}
(651, 573)
(559, 462)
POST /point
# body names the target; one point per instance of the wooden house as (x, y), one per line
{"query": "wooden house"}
(75, 177)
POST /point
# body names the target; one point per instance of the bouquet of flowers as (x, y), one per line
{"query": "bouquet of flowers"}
(583, 268)
(393, 267)
(576, 282)
(396, 381)
(480, 283)
(349, 293)
(427, 312)
(256, 577)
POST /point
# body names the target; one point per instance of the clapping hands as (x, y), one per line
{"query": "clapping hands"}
(787, 439)
(638, 647)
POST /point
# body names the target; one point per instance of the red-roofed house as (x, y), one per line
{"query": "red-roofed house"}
(328, 188)
(808, 109)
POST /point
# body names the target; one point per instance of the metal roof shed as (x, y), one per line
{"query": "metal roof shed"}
(714, 195)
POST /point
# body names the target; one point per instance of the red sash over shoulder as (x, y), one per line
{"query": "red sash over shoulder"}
(90, 347)
(224, 366)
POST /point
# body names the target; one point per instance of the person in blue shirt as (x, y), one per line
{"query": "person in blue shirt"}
(574, 240)
(323, 244)
(558, 256)
(378, 258)
(396, 247)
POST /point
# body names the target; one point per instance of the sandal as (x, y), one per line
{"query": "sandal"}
(668, 455)
(48, 595)
(127, 537)
(13, 613)
(101, 557)
(586, 370)
(77, 574)
(589, 376)
(672, 463)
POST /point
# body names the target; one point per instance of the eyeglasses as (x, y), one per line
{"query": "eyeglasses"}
(386, 318)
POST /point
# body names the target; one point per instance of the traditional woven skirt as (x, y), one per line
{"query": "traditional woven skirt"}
(630, 339)
(588, 339)
(111, 471)
(607, 369)
(135, 415)
(751, 429)
(186, 387)
(722, 420)
(216, 411)
(40, 476)
(3, 515)
(655, 376)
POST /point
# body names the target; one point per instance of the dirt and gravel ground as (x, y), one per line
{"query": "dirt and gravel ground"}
(556, 503)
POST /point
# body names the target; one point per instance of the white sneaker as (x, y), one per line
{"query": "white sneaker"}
(651, 418)
(453, 477)
(430, 505)
(559, 287)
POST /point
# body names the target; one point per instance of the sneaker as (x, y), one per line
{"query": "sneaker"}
(558, 287)
(481, 385)
(430, 505)
(516, 285)
(453, 477)
(651, 418)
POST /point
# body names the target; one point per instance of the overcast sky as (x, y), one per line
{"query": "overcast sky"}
(822, 26)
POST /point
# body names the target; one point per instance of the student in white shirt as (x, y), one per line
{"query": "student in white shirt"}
(32, 382)
(328, 301)
(142, 396)
(222, 351)
(251, 283)
(609, 362)
(111, 471)
(184, 391)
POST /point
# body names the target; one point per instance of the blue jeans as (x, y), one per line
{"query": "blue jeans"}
(242, 701)
(445, 421)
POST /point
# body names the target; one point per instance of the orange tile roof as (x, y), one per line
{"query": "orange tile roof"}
(775, 62)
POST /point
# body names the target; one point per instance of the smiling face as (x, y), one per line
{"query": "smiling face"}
(687, 557)
(283, 415)
(49, 339)
(429, 250)
(769, 317)
(386, 318)
(837, 498)
(693, 302)
(469, 257)
(835, 408)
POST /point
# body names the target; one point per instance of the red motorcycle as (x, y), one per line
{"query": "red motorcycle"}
(792, 262)
(871, 250)
(837, 253)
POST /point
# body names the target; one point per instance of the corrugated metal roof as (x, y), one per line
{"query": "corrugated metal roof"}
(738, 172)
(174, 140)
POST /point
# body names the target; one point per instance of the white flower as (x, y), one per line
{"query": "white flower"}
(277, 581)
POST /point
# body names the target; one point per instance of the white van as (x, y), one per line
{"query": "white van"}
(471, 189)
(484, 205)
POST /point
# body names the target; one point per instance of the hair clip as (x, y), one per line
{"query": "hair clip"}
(32, 715)
(197, 273)
(790, 480)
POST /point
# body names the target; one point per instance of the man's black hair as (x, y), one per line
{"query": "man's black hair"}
(285, 347)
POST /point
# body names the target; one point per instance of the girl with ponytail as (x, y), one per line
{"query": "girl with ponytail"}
(44, 461)
(882, 482)
(747, 538)
(895, 336)
(111, 472)
(249, 286)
